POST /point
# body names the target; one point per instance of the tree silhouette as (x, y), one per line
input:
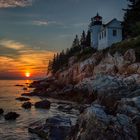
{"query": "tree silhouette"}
(83, 40)
(131, 24)
(88, 39)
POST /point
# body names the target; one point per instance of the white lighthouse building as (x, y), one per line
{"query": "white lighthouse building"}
(104, 35)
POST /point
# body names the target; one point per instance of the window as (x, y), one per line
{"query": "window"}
(114, 32)
(100, 36)
(105, 33)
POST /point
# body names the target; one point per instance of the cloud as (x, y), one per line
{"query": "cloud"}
(11, 44)
(15, 3)
(46, 23)
(59, 24)
(40, 23)
(12, 48)
(8, 52)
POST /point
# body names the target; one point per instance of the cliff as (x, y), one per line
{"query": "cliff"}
(110, 84)
(100, 63)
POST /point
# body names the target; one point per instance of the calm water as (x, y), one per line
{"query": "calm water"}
(18, 130)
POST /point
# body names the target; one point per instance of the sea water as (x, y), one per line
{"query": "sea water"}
(18, 130)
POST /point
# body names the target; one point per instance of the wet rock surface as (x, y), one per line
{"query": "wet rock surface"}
(11, 116)
(95, 123)
(45, 104)
(22, 99)
(55, 128)
(18, 85)
(114, 113)
(1, 111)
(58, 125)
(65, 108)
(28, 94)
(27, 105)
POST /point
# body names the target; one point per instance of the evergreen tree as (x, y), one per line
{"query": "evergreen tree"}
(54, 63)
(131, 24)
(62, 58)
(88, 39)
(83, 40)
(49, 66)
(75, 42)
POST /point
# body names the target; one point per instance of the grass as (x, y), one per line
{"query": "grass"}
(123, 46)
(86, 53)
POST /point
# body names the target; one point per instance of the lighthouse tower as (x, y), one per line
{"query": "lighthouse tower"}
(95, 28)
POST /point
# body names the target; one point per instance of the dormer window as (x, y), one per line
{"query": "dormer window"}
(114, 32)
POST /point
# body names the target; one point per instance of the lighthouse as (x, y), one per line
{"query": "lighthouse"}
(95, 28)
(104, 35)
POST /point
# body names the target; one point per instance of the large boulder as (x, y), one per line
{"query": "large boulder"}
(131, 108)
(106, 65)
(22, 99)
(132, 79)
(27, 105)
(128, 110)
(120, 63)
(11, 116)
(105, 69)
(45, 104)
(97, 57)
(65, 108)
(95, 124)
(107, 90)
(1, 111)
(117, 63)
(130, 56)
(133, 68)
(135, 102)
(55, 128)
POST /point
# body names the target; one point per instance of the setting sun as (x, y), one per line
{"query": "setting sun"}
(27, 74)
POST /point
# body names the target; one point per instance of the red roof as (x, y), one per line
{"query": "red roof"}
(97, 16)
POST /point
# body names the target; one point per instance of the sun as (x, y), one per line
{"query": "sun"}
(27, 74)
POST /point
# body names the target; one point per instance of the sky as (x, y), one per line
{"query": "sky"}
(32, 31)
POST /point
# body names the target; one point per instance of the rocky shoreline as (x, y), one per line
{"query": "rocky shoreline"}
(109, 84)
(57, 127)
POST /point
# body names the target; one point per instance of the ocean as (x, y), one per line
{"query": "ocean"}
(18, 130)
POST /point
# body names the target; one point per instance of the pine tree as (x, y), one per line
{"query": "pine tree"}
(131, 24)
(61, 60)
(54, 63)
(49, 66)
(75, 42)
(88, 39)
(83, 40)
